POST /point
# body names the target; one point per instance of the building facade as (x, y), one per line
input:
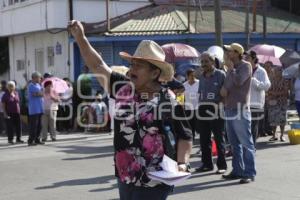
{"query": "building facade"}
(38, 39)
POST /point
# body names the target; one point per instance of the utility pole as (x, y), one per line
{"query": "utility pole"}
(254, 15)
(247, 29)
(189, 16)
(218, 23)
(107, 16)
(265, 19)
(71, 17)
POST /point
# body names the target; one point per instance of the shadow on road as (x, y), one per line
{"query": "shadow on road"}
(77, 182)
(267, 145)
(76, 149)
(204, 186)
(113, 186)
(102, 152)
(90, 157)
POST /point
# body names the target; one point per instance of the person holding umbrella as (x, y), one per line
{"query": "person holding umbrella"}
(51, 100)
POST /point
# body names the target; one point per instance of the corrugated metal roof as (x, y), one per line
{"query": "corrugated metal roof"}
(168, 19)
(158, 20)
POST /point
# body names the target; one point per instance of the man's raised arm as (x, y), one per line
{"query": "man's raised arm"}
(91, 57)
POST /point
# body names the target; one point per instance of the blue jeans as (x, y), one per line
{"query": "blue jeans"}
(241, 140)
(131, 192)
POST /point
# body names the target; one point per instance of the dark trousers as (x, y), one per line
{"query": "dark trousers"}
(64, 124)
(35, 127)
(266, 128)
(191, 114)
(13, 125)
(205, 128)
(2, 122)
(256, 118)
(131, 192)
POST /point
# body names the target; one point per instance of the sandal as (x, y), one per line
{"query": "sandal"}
(273, 139)
(282, 138)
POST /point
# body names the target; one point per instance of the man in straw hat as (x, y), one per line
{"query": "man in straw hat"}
(140, 140)
(236, 91)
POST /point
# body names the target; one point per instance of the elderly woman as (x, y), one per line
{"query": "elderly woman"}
(143, 135)
(277, 103)
(11, 109)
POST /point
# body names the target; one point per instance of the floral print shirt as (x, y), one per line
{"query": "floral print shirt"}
(138, 141)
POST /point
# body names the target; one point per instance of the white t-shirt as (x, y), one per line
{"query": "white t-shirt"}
(191, 95)
(297, 89)
(67, 97)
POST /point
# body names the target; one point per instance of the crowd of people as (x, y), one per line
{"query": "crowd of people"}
(38, 106)
(236, 101)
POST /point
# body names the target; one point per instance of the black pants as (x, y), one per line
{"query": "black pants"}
(192, 121)
(2, 122)
(62, 124)
(205, 128)
(35, 127)
(13, 125)
(256, 116)
(266, 127)
(131, 192)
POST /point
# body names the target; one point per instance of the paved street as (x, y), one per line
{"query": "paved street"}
(80, 167)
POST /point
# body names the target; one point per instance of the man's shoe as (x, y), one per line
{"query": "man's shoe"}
(221, 171)
(204, 169)
(10, 142)
(39, 142)
(20, 141)
(231, 176)
(53, 139)
(246, 180)
(44, 140)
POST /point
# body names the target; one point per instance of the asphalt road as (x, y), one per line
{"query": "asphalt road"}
(80, 167)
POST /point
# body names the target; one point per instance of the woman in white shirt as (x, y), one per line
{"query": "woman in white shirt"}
(191, 98)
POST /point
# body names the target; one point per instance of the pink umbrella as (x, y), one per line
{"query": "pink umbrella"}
(179, 51)
(267, 52)
(264, 59)
(59, 85)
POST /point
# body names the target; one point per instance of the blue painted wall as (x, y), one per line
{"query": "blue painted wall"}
(199, 41)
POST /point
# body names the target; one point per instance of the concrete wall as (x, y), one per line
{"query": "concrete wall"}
(25, 47)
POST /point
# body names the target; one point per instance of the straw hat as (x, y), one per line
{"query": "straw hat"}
(235, 47)
(151, 52)
(120, 69)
